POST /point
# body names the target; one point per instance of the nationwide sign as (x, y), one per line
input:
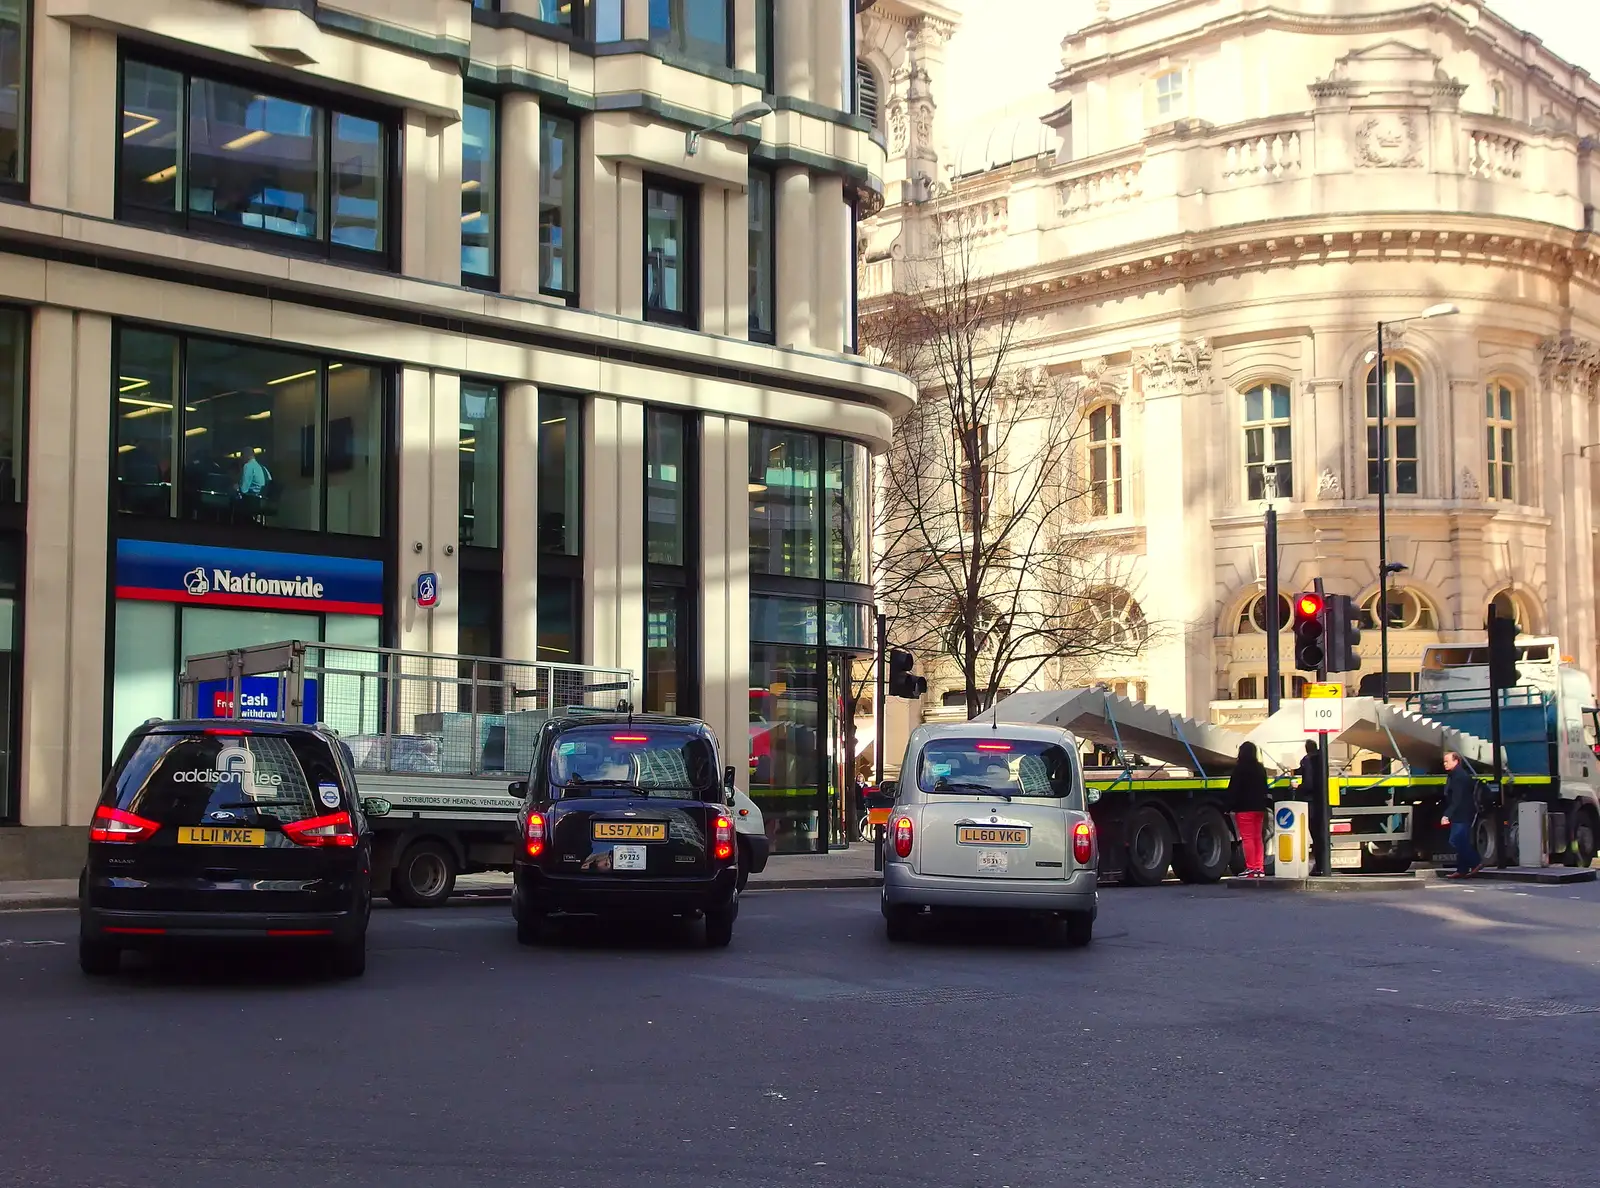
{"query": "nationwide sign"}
(200, 575)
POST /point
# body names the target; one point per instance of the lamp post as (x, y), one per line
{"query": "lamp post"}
(1442, 310)
(750, 111)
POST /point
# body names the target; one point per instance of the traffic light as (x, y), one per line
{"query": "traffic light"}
(1503, 672)
(1309, 649)
(901, 682)
(1343, 619)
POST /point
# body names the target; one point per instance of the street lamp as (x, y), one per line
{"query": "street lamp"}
(750, 111)
(1442, 310)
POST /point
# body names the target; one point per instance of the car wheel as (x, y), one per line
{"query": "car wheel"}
(1149, 848)
(349, 958)
(425, 875)
(97, 958)
(719, 927)
(1079, 930)
(530, 929)
(1207, 848)
(744, 864)
(899, 922)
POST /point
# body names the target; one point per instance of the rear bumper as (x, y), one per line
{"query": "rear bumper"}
(133, 929)
(760, 848)
(602, 896)
(903, 887)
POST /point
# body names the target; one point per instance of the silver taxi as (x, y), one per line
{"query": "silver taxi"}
(991, 819)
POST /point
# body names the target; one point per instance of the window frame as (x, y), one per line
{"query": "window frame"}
(675, 40)
(556, 111)
(490, 281)
(327, 103)
(684, 577)
(1177, 100)
(14, 512)
(1501, 484)
(1392, 424)
(1266, 426)
(18, 187)
(690, 195)
(766, 44)
(1112, 446)
(865, 68)
(499, 391)
(770, 178)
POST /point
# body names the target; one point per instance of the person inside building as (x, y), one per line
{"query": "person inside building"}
(1251, 800)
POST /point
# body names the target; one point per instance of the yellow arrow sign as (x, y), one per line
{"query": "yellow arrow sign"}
(1328, 690)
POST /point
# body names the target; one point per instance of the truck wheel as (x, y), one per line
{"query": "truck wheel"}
(1149, 848)
(1585, 836)
(1487, 838)
(1207, 848)
(425, 875)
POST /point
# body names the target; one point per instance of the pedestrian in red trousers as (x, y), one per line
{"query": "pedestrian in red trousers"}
(1250, 799)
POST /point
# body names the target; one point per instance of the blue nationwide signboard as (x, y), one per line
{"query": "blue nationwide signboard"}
(202, 575)
(260, 699)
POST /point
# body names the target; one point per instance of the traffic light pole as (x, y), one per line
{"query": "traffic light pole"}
(877, 701)
(1494, 745)
(1383, 526)
(1324, 809)
(1271, 606)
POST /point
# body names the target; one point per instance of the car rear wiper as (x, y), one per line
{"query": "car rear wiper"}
(964, 786)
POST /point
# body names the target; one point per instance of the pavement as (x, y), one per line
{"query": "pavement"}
(1208, 1038)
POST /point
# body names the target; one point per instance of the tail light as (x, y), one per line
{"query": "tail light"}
(533, 835)
(335, 829)
(115, 825)
(1339, 827)
(902, 836)
(1083, 842)
(722, 841)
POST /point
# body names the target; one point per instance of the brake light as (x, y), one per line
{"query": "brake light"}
(335, 829)
(1339, 827)
(1004, 748)
(630, 738)
(533, 835)
(115, 825)
(230, 733)
(902, 836)
(722, 841)
(1083, 842)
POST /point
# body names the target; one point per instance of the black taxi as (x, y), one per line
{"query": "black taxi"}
(224, 832)
(626, 816)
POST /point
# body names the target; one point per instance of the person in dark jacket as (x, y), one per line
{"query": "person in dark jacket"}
(1250, 799)
(1461, 811)
(1311, 792)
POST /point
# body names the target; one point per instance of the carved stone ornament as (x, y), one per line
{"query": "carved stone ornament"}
(897, 126)
(1389, 141)
(1569, 362)
(1183, 366)
(924, 122)
(1094, 368)
(1330, 488)
(1394, 336)
(1469, 485)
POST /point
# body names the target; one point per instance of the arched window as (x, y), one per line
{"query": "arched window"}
(1400, 432)
(1122, 623)
(1508, 605)
(1408, 611)
(1500, 415)
(1105, 460)
(869, 98)
(1253, 618)
(1267, 449)
(1499, 99)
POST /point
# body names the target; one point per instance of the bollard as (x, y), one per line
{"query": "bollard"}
(878, 832)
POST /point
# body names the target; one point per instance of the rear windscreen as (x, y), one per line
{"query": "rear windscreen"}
(1015, 767)
(597, 761)
(186, 779)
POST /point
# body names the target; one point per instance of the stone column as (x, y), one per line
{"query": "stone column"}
(715, 280)
(519, 522)
(831, 294)
(430, 246)
(635, 20)
(737, 227)
(795, 256)
(62, 745)
(1173, 378)
(1568, 376)
(830, 46)
(73, 117)
(430, 506)
(599, 242)
(629, 234)
(519, 195)
(793, 55)
(724, 564)
(744, 35)
(613, 534)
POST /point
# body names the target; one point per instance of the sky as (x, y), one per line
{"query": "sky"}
(1569, 28)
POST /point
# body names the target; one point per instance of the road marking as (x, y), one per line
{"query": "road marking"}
(30, 943)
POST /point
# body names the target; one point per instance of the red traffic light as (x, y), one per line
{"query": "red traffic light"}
(1308, 606)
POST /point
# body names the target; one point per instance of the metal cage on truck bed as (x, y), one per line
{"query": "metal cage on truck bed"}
(400, 712)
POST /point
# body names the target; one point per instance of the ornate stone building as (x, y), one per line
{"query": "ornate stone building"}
(1235, 197)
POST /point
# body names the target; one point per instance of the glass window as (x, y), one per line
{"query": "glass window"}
(850, 626)
(13, 405)
(1105, 460)
(558, 207)
(1267, 442)
(868, 104)
(848, 511)
(147, 396)
(478, 187)
(1396, 451)
(606, 18)
(665, 681)
(697, 29)
(763, 239)
(558, 620)
(764, 25)
(13, 89)
(665, 490)
(152, 139)
(785, 517)
(560, 477)
(1500, 413)
(353, 449)
(786, 745)
(665, 762)
(144, 676)
(669, 255)
(478, 629)
(480, 466)
(1254, 615)
(1016, 767)
(242, 159)
(775, 619)
(1169, 94)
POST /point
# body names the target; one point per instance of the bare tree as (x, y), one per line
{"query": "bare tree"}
(983, 555)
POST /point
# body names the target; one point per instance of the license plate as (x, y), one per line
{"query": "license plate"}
(1347, 859)
(627, 857)
(220, 835)
(993, 861)
(630, 831)
(991, 835)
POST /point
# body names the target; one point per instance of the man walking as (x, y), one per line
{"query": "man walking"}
(1461, 811)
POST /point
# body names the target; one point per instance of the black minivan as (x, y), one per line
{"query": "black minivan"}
(225, 832)
(627, 816)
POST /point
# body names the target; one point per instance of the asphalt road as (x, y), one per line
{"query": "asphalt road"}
(1209, 1037)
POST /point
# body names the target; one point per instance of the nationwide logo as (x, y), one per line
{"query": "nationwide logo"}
(226, 581)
